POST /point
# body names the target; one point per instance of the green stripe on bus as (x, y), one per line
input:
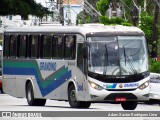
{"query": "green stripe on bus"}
(51, 78)
(19, 64)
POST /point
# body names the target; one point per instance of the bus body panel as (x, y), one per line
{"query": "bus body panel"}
(43, 77)
(102, 94)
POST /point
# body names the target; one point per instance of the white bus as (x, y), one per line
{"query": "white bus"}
(79, 64)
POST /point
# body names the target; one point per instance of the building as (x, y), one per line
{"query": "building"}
(71, 9)
(15, 20)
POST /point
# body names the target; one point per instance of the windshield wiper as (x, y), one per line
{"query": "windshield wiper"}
(124, 51)
(128, 60)
(105, 60)
(132, 66)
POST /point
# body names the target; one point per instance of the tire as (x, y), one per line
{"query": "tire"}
(72, 99)
(129, 105)
(2, 91)
(86, 104)
(30, 97)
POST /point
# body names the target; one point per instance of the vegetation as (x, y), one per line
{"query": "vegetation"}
(146, 18)
(154, 66)
(23, 8)
(120, 21)
(102, 6)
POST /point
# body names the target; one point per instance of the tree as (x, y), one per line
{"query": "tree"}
(147, 26)
(22, 7)
(102, 6)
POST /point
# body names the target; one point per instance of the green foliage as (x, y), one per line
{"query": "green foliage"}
(88, 18)
(22, 7)
(147, 26)
(102, 6)
(120, 21)
(126, 24)
(154, 66)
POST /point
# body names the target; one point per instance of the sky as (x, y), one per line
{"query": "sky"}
(41, 1)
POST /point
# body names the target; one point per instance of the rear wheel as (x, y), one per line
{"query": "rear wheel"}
(129, 105)
(30, 97)
(73, 101)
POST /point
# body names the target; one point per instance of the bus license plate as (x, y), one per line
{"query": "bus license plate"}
(121, 99)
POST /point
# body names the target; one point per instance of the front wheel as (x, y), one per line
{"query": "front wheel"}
(73, 101)
(30, 97)
(129, 105)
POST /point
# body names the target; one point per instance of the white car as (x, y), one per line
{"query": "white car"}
(154, 93)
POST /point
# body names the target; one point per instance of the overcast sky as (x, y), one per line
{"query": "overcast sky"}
(41, 1)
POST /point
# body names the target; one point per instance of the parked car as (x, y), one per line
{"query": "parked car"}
(154, 93)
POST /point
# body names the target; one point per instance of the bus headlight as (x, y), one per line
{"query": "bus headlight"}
(95, 86)
(144, 85)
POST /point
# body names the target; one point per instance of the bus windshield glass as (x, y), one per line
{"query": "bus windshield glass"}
(122, 55)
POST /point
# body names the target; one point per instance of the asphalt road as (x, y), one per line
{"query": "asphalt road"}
(9, 103)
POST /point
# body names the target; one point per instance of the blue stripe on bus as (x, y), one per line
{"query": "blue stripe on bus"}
(32, 71)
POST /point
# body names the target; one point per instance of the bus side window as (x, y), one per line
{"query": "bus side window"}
(70, 46)
(47, 46)
(58, 47)
(6, 46)
(80, 56)
(13, 45)
(34, 46)
(22, 45)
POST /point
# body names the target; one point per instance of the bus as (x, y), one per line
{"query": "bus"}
(79, 64)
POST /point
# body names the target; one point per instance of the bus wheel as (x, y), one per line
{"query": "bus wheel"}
(129, 105)
(86, 104)
(72, 98)
(30, 97)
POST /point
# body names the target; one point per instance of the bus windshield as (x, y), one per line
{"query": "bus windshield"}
(122, 55)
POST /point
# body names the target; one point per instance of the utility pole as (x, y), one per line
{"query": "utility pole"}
(155, 29)
(69, 12)
(114, 8)
(135, 14)
(61, 13)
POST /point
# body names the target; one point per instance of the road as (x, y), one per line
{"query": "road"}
(9, 103)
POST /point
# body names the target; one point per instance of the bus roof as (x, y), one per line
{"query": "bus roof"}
(74, 29)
